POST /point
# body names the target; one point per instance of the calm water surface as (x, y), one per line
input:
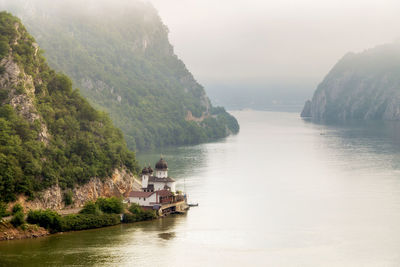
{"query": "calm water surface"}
(283, 192)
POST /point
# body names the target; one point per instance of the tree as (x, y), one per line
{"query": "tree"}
(17, 208)
(18, 219)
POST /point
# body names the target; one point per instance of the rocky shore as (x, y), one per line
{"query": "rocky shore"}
(9, 232)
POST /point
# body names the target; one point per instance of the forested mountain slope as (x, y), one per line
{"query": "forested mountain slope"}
(118, 54)
(361, 86)
(49, 134)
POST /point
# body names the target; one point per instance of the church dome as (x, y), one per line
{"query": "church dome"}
(150, 170)
(145, 171)
(161, 164)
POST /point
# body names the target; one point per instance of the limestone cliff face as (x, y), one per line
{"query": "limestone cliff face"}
(360, 86)
(21, 90)
(51, 138)
(121, 183)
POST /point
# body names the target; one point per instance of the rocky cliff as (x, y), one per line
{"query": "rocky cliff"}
(52, 141)
(361, 86)
(118, 185)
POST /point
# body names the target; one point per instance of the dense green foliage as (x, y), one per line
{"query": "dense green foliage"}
(48, 219)
(124, 64)
(110, 205)
(52, 221)
(138, 214)
(17, 208)
(76, 222)
(3, 210)
(83, 143)
(90, 208)
(18, 219)
(68, 197)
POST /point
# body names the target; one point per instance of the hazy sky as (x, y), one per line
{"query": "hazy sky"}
(285, 41)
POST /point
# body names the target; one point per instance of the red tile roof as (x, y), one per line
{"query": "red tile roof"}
(164, 193)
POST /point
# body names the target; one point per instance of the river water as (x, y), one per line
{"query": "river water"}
(283, 192)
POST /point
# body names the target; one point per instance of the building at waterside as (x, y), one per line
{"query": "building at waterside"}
(158, 190)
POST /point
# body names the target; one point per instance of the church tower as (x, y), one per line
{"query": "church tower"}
(145, 177)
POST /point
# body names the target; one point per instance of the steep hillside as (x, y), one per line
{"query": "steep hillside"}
(49, 134)
(360, 86)
(118, 54)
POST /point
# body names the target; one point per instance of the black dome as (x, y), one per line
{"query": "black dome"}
(145, 171)
(161, 164)
(149, 169)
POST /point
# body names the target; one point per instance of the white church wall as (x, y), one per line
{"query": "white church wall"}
(161, 174)
(142, 201)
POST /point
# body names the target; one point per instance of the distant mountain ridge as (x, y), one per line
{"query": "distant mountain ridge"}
(123, 63)
(362, 86)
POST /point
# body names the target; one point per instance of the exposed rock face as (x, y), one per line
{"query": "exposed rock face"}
(121, 183)
(360, 86)
(15, 80)
(190, 117)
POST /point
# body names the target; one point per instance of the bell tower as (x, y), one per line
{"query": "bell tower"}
(145, 177)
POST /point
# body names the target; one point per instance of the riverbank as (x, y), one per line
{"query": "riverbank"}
(9, 232)
(102, 213)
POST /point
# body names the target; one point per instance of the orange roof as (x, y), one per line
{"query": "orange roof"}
(164, 193)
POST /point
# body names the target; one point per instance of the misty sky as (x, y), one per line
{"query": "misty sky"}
(274, 42)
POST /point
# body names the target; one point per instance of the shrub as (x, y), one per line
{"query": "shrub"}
(17, 208)
(91, 208)
(52, 221)
(138, 214)
(88, 221)
(110, 205)
(3, 210)
(18, 219)
(48, 219)
(68, 198)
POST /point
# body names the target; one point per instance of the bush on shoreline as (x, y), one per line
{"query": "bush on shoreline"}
(18, 219)
(110, 205)
(103, 212)
(54, 222)
(138, 214)
(76, 222)
(91, 208)
(47, 219)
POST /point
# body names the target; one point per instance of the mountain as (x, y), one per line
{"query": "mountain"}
(363, 86)
(50, 136)
(119, 55)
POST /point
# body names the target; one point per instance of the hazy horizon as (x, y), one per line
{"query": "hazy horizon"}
(271, 46)
(261, 53)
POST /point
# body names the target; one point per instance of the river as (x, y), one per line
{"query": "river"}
(283, 192)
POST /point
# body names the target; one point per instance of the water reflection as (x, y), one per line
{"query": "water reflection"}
(167, 236)
(277, 194)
